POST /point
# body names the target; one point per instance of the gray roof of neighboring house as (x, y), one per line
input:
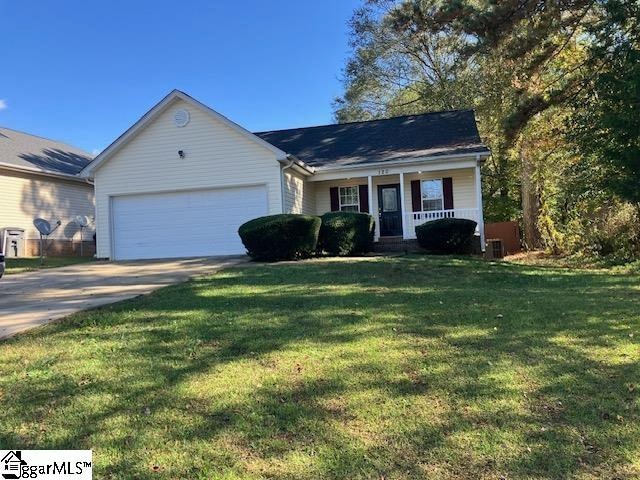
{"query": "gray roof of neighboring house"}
(22, 150)
(373, 141)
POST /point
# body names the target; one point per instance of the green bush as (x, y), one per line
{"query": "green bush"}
(281, 237)
(447, 235)
(346, 233)
(613, 232)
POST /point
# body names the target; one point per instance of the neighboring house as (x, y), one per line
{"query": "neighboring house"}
(39, 178)
(182, 179)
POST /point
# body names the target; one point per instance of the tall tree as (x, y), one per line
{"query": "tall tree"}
(396, 69)
(511, 59)
(606, 121)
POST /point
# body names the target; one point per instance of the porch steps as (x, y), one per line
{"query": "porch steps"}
(395, 244)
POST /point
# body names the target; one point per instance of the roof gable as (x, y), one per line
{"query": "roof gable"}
(155, 112)
(373, 141)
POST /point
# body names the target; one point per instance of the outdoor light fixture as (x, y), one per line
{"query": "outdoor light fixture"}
(181, 153)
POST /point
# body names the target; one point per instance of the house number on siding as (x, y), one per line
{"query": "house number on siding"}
(383, 171)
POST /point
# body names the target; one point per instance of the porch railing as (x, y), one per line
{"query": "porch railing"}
(413, 219)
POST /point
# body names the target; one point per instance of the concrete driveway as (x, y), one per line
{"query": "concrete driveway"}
(31, 299)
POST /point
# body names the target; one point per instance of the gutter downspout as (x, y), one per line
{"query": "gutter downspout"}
(282, 169)
(479, 203)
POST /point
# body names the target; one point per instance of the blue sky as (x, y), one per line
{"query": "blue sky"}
(84, 71)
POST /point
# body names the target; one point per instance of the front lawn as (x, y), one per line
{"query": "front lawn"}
(30, 264)
(394, 368)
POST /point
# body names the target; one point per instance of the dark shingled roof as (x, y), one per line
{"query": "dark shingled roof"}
(399, 138)
(23, 150)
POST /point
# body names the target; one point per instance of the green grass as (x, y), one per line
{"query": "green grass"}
(394, 368)
(30, 264)
(581, 261)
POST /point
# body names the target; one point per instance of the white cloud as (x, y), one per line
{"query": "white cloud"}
(95, 152)
(3, 104)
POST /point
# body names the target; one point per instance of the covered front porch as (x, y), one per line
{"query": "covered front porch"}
(402, 198)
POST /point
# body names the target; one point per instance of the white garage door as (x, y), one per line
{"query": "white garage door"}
(184, 224)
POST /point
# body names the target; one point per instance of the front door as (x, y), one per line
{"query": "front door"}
(389, 211)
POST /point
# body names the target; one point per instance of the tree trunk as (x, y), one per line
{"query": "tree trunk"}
(503, 164)
(530, 203)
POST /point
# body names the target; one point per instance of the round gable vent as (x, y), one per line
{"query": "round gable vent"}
(181, 117)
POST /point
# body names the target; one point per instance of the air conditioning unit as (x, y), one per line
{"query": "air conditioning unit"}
(495, 248)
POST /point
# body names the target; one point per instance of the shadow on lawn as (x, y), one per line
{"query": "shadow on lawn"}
(462, 392)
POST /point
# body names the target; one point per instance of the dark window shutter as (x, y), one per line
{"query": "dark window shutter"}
(447, 192)
(363, 193)
(416, 196)
(335, 200)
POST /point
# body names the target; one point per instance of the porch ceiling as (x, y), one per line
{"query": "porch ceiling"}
(381, 169)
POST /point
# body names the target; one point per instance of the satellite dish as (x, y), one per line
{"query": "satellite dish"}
(81, 220)
(45, 230)
(42, 225)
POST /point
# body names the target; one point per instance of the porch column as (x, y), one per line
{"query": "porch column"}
(402, 209)
(372, 208)
(479, 203)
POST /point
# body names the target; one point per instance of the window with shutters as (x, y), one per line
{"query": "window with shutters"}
(432, 196)
(349, 199)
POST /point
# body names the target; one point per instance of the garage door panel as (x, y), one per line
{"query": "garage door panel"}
(184, 224)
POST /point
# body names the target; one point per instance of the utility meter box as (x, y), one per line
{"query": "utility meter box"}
(12, 242)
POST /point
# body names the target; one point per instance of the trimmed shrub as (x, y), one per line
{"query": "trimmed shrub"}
(281, 237)
(447, 235)
(346, 233)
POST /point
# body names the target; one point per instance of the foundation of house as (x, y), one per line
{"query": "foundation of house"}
(396, 244)
(399, 244)
(60, 248)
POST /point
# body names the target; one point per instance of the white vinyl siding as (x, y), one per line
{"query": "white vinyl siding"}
(26, 196)
(299, 194)
(215, 156)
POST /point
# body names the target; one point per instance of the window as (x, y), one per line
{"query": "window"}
(432, 195)
(390, 199)
(349, 199)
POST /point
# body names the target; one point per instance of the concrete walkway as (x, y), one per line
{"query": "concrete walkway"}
(31, 299)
